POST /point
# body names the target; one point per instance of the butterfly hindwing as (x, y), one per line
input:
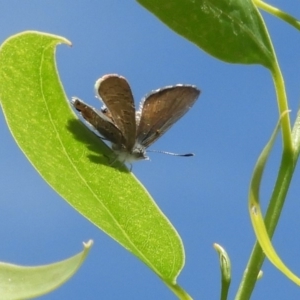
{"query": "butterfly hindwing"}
(99, 121)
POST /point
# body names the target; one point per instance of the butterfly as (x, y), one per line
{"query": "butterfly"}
(131, 132)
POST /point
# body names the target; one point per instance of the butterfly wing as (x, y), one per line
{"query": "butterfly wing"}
(116, 94)
(99, 121)
(161, 109)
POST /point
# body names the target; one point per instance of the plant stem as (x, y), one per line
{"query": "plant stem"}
(282, 107)
(278, 13)
(178, 291)
(285, 174)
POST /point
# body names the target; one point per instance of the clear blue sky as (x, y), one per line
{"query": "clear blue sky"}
(205, 196)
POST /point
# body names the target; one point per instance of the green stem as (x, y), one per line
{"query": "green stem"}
(285, 174)
(224, 289)
(178, 291)
(257, 257)
(282, 107)
(278, 13)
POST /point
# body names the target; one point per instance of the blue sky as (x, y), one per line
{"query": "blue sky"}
(205, 197)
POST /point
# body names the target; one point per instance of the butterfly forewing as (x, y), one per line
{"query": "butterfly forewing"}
(161, 109)
(116, 94)
(99, 121)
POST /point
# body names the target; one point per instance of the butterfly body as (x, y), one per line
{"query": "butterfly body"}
(132, 132)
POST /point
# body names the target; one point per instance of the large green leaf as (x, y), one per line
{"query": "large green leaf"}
(72, 159)
(20, 282)
(232, 31)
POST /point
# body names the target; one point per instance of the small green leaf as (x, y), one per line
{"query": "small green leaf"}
(232, 31)
(260, 275)
(225, 266)
(296, 135)
(73, 160)
(19, 282)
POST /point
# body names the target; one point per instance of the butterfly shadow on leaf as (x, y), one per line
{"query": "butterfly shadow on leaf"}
(102, 153)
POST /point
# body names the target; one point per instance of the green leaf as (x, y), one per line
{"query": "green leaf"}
(19, 282)
(256, 213)
(73, 160)
(232, 31)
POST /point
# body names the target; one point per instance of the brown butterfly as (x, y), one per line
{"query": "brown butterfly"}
(132, 132)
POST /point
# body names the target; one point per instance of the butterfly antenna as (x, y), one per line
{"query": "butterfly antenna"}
(171, 153)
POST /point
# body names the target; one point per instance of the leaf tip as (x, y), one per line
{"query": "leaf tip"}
(88, 244)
